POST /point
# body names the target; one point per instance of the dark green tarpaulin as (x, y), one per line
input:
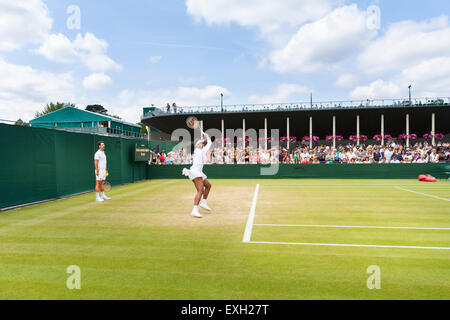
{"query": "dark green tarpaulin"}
(40, 164)
(312, 171)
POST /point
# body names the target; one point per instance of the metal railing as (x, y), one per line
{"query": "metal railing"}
(95, 130)
(324, 105)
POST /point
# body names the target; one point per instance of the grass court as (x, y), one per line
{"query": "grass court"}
(285, 239)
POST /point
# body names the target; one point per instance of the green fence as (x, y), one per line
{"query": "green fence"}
(39, 164)
(312, 171)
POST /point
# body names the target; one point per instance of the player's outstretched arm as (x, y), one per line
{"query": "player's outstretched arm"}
(208, 144)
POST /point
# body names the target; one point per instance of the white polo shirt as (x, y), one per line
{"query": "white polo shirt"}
(101, 157)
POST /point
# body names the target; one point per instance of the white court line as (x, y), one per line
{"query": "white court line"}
(423, 194)
(251, 217)
(348, 245)
(331, 226)
(350, 186)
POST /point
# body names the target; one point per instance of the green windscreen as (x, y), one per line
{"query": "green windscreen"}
(39, 164)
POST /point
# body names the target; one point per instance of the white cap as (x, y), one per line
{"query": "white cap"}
(198, 142)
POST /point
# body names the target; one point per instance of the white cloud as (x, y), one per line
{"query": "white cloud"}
(130, 103)
(267, 15)
(428, 78)
(324, 42)
(155, 59)
(283, 93)
(24, 90)
(347, 80)
(87, 49)
(57, 47)
(182, 96)
(22, 22)
(406, 43)
(96, 81)
(379, 89)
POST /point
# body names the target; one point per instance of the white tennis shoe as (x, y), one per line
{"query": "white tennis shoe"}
(104, 197)
(204, 205)
(195, 213)
(100, 200)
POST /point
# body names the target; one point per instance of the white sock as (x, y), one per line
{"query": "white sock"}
(103, 193)
(204, 201)
(196, 208)
(98, 195)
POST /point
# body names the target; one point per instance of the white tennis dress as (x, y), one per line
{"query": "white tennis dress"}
(198, 160)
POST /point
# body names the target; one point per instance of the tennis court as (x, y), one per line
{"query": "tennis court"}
(308, 239)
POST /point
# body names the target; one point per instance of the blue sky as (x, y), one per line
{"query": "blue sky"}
(127, 55)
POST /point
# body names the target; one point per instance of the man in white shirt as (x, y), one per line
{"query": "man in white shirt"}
(100, 172)
(388, 155)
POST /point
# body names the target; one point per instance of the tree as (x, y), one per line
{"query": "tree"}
(100, 109)
(21, 123)
(96, 108)
(52, 107)
(143, 128)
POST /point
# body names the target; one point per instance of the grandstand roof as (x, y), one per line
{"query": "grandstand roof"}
(74, 115)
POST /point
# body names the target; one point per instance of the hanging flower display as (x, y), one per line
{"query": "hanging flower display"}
(353, 138)
(283, 139)
(413, 136)
(338, 138)
(440, 136)
(305, 138)
(248, 139)
(377, 137)
(363, 137)
(269, 139)
(402, 136)
(428, 136)
(316, 138)
(387, 137)
(292, 139)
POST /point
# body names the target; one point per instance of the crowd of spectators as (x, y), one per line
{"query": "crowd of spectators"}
(350, 153)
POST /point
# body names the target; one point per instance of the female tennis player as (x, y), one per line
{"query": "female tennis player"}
(195, 173)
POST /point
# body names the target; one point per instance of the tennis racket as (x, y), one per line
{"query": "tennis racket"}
(106, 185)
(193, 123)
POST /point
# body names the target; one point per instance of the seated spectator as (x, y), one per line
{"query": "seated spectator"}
(329, 157)
(162, 158)
(170, 159)
(321, 156)
(434, 157)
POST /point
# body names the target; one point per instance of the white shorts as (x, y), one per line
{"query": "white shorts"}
(101, 175)
(192, 174)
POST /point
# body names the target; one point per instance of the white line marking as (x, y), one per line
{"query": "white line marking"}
(251, 217)
(358, 227)
(331, 226)
(349, 245)
(423, 194)
(351, 186)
